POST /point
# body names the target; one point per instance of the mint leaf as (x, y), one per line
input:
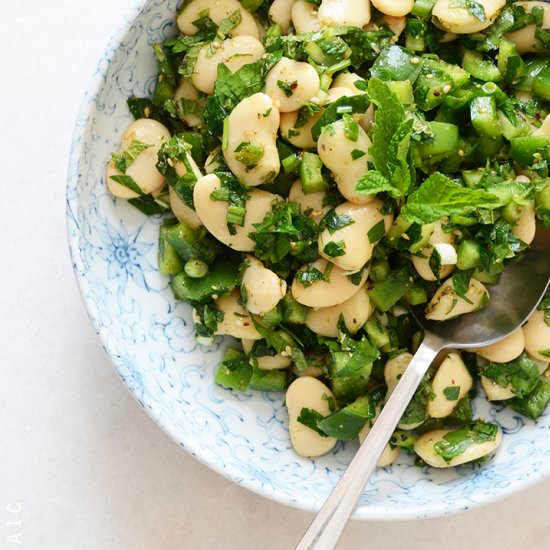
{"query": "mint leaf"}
(451, 393)
(124, 160)
(231, 88)
(335, 110)
(522, 373)
(439, 196)
(456, 442)
(129, 183)
(374, 182)
(311, 419)
(474, 8)
(391, 137)
(335, 249)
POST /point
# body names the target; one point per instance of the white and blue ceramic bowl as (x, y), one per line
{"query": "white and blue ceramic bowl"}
(149, 337)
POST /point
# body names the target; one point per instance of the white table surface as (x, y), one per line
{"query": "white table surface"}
(82, 467)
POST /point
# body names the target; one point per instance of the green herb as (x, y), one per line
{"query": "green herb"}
(456, 442)
(285, 232)
(124, 160)
(474, 8)
(439, 196)
(357, 154)
(306, 277)
(287, 87)
(332, 221)
(231, 88)
(522, 373)
(461, 283)
(176, 150)
(335, 110)
(311, 419)
(376, 232)
(249, 154)
(351, 128)
(451, 393)
(335, 249)
(236, 195)
(391, 138)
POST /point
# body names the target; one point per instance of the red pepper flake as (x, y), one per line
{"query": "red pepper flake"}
(293, 85)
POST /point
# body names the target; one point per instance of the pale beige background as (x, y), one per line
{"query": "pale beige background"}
(81, 465)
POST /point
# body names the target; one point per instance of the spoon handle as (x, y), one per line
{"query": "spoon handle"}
(327, 527)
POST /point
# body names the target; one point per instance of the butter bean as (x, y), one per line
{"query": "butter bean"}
(143, 169)
(234, 53)
(449, 17)
(236, 320)
(425, 449)
(253, 122)
(355, 311)
(291, 83)
(213, 214)
(452, 375)
(353, 239)
(337, 289)
(262, 287)
(217, 10)
(308, 392)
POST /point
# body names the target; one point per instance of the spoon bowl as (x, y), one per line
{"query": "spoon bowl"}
(512, 300)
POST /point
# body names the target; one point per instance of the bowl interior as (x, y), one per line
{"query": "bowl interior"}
(150, 338)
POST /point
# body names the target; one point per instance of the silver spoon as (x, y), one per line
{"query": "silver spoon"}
(513, 299)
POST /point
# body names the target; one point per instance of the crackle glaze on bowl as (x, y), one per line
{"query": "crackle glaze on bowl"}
(149, 337)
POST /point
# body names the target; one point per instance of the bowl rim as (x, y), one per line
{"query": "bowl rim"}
(364, 511)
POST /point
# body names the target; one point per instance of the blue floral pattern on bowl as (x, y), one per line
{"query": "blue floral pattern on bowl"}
(150, 339)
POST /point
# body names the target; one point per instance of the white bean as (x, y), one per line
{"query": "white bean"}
(389, 454)
(425, 449)
(526, 226)
(451, 376)
(537, 337)
(422, 263)
(301, 136)
(213, 214)
(394, 369)
(183, 212)
(234, 53)
(337, 153)
(308, 392)
(355, 312)
(506, 350)
(525, 39)
(350, 13)
(186, 90)
(143, 169)
(496, 392)
(348, 80)
(353, 239)
(337, 289)
(212, 161)
(396, 24)
(261, 286)
(304, 17)
(291, 83)
(446, 303)
(447, 15)
(217, 10)
(236, 320)
(280, 12)
(395, 8)
(309, 202)
(268, 362)
(254, 122)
